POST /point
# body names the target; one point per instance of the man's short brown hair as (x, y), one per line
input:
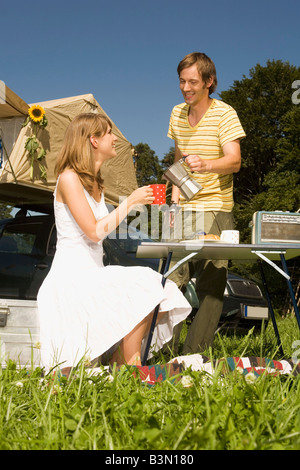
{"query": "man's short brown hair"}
(205, 66)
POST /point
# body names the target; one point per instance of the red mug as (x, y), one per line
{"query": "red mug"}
(159, 192)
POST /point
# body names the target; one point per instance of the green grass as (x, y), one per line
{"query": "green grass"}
(120, 412)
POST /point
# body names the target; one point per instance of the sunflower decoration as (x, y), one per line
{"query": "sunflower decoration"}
(37, 118)
(37, 114)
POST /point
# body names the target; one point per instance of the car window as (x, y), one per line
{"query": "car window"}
(8, 244)
(20, 238)
(128, 244)
(130, 239)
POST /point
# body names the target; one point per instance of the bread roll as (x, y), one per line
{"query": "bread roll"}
(209, 236)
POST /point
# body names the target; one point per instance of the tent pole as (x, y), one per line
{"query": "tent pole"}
(5, 151)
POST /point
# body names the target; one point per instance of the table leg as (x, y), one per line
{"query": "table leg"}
(284, 265)
(271, 309)
(164, 269)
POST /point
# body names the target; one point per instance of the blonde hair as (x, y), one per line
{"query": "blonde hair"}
(76, 152)
(206, 68)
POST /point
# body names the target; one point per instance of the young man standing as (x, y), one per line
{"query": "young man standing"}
(207, 131)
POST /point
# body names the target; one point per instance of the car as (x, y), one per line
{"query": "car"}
(27, 248)
(244, 305)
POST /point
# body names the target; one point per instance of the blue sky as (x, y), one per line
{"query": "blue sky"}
(126, 52)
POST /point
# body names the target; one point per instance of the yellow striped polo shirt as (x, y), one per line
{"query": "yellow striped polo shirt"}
(219, 125)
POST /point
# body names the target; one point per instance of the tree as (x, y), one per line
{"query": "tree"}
(5, 210)
(270, 173)
(168, 159)
(262, 102)
(147, 166)
(166, 162)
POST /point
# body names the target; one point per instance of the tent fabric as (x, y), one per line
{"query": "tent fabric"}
(118, 174)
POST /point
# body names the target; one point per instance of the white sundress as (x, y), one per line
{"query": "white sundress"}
(85, 308)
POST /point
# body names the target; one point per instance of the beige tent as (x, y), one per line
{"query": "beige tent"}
(15, 180)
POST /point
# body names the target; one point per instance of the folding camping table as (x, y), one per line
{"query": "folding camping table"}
(182, 252)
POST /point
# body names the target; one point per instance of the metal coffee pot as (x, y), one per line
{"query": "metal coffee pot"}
(178, 175)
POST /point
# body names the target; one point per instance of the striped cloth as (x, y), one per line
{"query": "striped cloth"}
(245, 365)
(174, 370)
(219, 125)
